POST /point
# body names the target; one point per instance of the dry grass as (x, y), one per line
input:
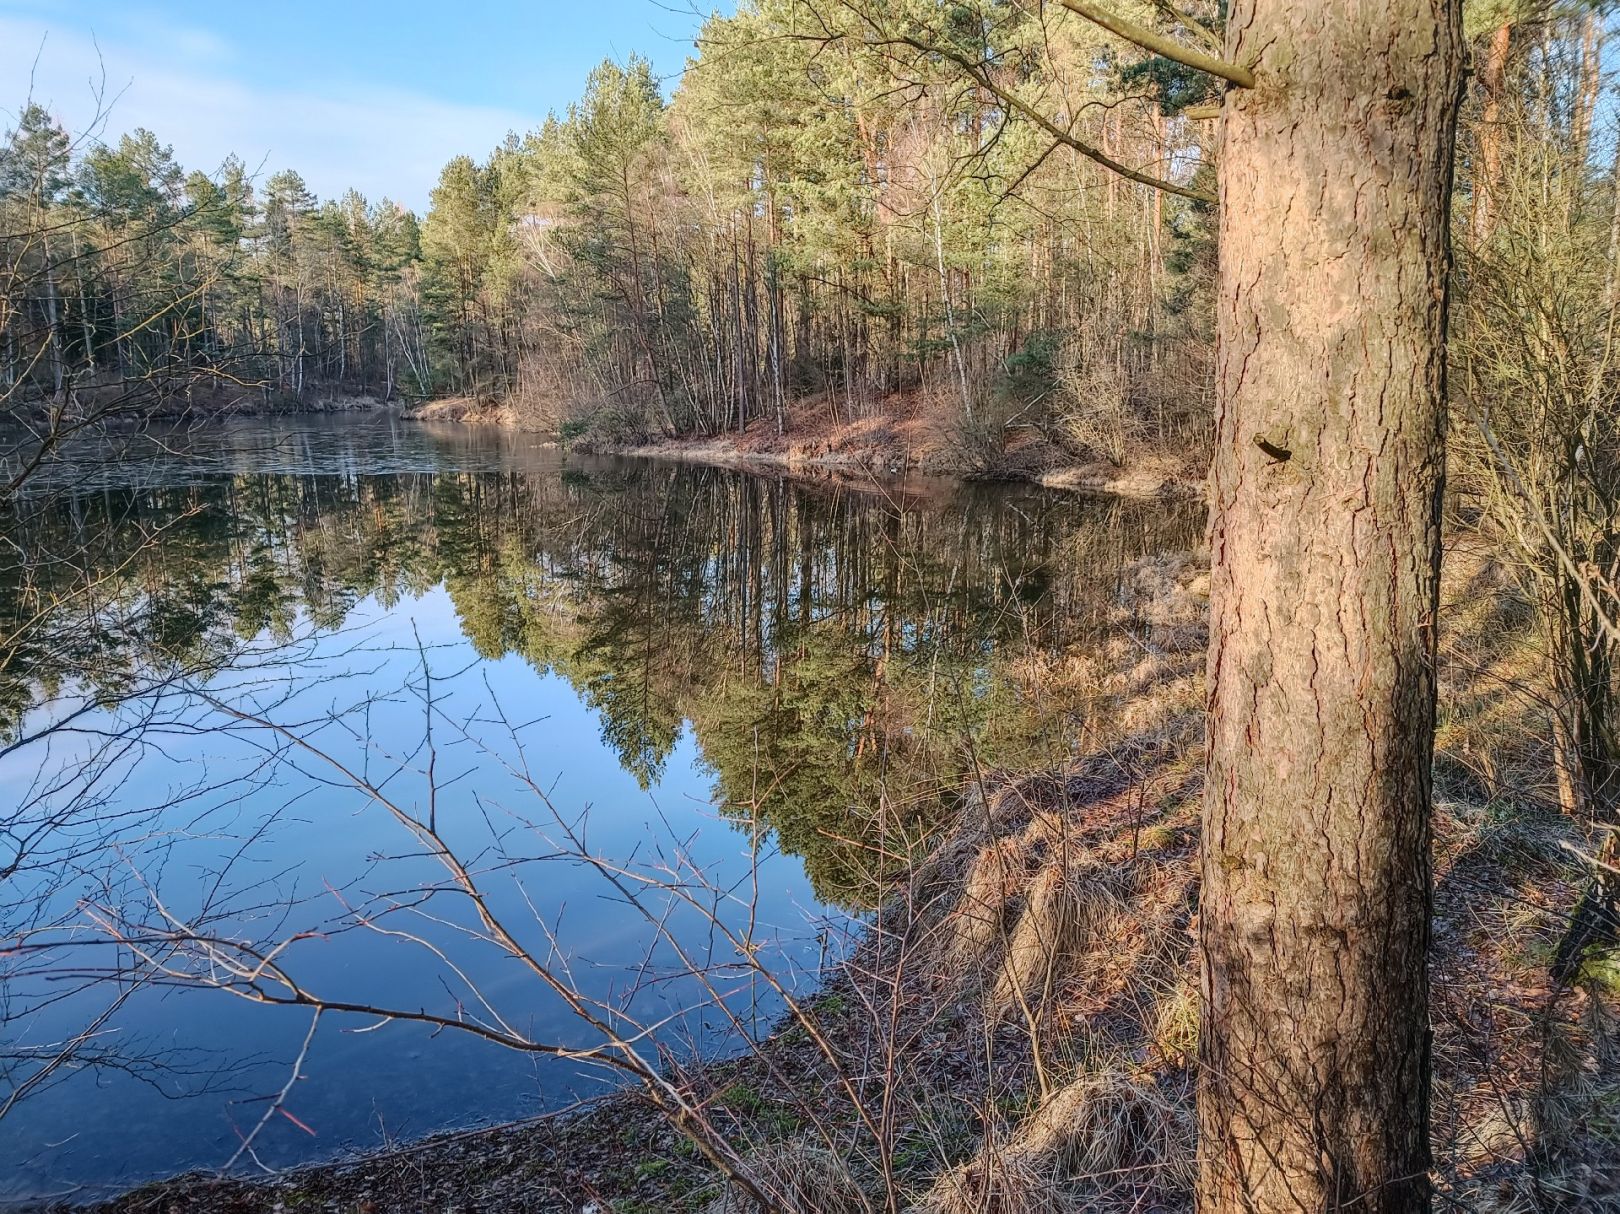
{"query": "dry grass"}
(1108, 1132)
(798, 1179)
(977, 923)
(1109, 1123)
(1067, 910)
(1091, 947)
(993, 1186)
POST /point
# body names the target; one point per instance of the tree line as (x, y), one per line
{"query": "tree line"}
(809, 213)
(129, 281)
(855, 205)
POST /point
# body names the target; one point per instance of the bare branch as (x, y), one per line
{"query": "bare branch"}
(1013, 102)
(1159, 44)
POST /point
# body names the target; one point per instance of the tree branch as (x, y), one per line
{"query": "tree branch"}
(1014, 103)
(1159, 44)
(1201, 31)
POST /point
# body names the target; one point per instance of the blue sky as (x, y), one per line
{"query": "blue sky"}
(367, 93)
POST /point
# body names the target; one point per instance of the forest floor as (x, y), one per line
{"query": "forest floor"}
(1016, 1031)
(901, 433)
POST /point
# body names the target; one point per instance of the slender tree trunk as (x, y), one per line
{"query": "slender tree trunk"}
(53, 322)
(1565, 765)
(343, 343)
(1325, 501)
(1588, 85)
(1488, 141)
(424, 377)
(778, 371)
(387, 360)
(737, 318)
(86, 324)
(945, 297)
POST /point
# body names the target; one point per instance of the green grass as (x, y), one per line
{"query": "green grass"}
(830, 1005)
(746, 1100)
(743, 1098)
(1602, 970)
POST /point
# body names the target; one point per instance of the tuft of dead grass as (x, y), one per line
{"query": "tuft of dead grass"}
(976, 924)
(1109, 1129)
(992, 1186)
(1067, 908)
(798, 1178)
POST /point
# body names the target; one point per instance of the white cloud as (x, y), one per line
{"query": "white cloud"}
(169, 80)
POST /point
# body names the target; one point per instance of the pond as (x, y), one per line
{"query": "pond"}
(282, 696)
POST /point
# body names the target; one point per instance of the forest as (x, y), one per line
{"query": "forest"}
(899, 221)
(641, 266)
(1269, 871)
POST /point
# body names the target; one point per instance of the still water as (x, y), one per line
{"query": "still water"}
(664, 718)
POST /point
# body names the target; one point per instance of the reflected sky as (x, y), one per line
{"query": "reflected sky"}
(297, 634)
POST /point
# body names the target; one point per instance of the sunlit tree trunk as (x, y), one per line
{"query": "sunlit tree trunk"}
(1488, 140)
(1588, 85)
(1325, 494)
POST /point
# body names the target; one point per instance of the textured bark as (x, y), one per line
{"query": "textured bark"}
(1335, 173)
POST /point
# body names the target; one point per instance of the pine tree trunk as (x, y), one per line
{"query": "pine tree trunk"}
(1588, 86)
(1488, 139)
(1325, 496)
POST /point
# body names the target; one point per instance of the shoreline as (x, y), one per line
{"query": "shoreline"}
(865, 453)
(1095, 477)
(617, 1149)
(866, 449)
(619, 1152)
(212, 409)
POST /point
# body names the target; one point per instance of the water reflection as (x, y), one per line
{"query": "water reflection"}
(828, 662)
(841, 655)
